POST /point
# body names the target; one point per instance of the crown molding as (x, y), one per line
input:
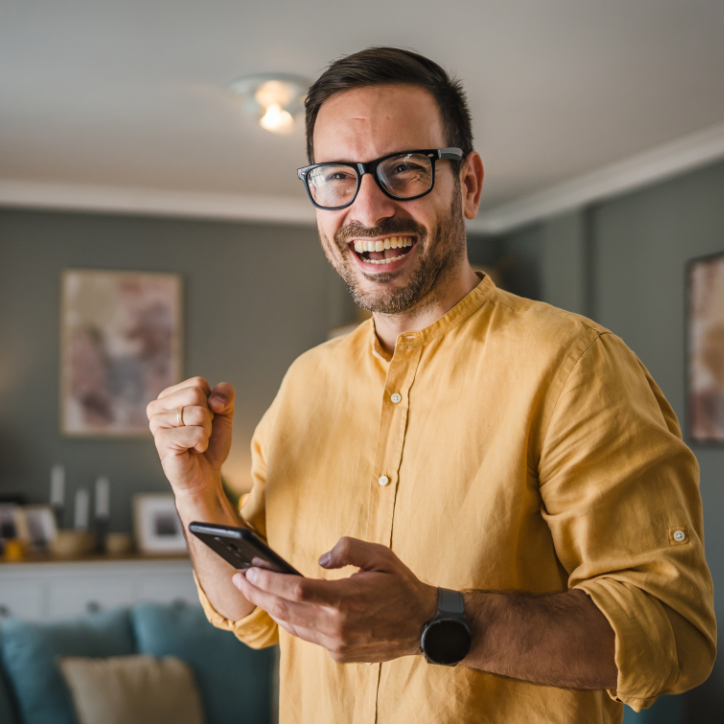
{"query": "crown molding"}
(152, 202)
(658, 164)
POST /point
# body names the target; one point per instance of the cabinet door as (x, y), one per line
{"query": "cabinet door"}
(167, 588)
(76, 594)
(21, 598)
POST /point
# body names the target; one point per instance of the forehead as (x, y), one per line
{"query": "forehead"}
(366, 123)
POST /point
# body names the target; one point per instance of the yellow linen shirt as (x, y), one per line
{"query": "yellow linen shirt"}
(523, 448)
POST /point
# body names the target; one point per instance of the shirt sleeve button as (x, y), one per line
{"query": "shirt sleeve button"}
(383, 480)
(396, 397)
(679, 536)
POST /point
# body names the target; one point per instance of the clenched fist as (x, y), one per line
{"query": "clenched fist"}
(191, 425)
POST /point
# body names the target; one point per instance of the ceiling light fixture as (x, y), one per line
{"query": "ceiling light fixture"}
(273, 98)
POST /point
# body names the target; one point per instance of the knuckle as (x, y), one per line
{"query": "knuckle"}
(299, 592)
(278, 609)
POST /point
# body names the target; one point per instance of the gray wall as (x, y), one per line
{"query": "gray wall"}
(255, 297)
(622, 263)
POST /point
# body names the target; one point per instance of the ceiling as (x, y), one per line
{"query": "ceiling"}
(132, 95)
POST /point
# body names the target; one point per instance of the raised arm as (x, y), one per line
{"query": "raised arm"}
(192, 426)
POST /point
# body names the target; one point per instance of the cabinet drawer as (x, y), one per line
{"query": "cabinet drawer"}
(75, 595)
(24, 599)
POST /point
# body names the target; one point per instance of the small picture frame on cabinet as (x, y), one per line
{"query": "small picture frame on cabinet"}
(156, 525)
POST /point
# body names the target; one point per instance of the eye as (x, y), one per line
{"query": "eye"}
(338, 176)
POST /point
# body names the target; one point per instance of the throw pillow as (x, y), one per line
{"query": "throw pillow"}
(138, 689)
(235, 681)
(29, 651)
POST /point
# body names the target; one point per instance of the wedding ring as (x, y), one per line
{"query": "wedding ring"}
(180, 417)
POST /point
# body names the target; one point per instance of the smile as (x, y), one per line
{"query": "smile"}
(383, 252)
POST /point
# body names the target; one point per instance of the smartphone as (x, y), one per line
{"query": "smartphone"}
(240, 547)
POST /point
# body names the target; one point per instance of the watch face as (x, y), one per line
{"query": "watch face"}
(446, 642)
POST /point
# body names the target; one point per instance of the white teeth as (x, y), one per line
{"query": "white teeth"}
(384, 261)
(392, 242)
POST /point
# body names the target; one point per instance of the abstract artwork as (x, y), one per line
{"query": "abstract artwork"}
(705, 353)
(120, 346)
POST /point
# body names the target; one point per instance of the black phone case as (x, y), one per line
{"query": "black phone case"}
(239, 547)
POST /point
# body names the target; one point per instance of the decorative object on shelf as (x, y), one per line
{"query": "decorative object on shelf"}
(273, 98)
(118, 544)
(102, 510)
(120, 346)
(705, 349)
(82, 504)
(37, 525)
(72, 544)
(57, 493)
(156, 524)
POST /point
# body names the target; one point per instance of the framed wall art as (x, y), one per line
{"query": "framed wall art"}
(120, 346)
(705, 349)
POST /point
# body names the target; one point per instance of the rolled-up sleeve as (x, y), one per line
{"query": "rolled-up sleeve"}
(621, 497)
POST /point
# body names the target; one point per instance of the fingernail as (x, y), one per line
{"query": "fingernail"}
(251, 575)
(218, 399)
(236, 580)
(325, 559)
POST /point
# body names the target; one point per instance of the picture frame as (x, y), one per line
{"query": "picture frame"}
(10, 521)
(120, 346)
(37, 525)
(704, 343)
(157, 527)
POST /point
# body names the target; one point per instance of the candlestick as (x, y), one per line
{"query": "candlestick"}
(103, 497)
(82, 500)
(57, 486)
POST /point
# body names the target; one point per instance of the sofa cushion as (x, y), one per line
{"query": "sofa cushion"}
(30, 650)
(234, 680)
(132, 689)
(7, 710)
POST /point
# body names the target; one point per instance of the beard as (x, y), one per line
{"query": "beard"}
(439, 249)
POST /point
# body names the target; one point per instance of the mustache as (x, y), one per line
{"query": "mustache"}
(392, 226)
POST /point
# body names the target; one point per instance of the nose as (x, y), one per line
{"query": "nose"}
(371, 206)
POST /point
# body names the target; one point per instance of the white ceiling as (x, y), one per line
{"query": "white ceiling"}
(132, 94)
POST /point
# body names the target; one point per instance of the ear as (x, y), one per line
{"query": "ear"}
(471, 184)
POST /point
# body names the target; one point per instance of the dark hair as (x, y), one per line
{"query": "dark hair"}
(386, 66)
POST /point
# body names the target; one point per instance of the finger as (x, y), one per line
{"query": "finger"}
(191, 382)
(360, 553)
(221, 399)
(295, 588)
(281, 609)
(178, 440)
(193, 416)
(184, 397)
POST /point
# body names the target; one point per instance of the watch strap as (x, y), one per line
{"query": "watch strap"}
(450, 602)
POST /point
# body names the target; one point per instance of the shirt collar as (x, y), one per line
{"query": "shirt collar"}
(469, 304)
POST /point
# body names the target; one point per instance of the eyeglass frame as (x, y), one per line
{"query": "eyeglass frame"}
(370, 167)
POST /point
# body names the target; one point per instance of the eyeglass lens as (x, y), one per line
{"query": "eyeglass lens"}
(404, 177)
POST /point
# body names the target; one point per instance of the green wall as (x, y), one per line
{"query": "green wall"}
(622, 263)
(255, 297)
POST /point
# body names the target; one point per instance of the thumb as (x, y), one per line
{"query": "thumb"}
(355, 552)
(221, 399)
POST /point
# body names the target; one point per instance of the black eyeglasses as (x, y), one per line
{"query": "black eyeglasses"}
(403, 176)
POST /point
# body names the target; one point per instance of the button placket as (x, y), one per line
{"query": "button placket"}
(390, 444)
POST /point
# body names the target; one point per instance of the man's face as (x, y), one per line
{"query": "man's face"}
(428, 233)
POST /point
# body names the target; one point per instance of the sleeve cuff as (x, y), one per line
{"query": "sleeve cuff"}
(257, 630)
(646, 655)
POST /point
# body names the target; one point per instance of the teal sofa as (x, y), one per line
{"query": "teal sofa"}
(234, 681)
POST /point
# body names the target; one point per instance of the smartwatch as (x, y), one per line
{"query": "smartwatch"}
(446, 638)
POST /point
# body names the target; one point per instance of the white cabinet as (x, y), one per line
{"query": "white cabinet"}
(41, 591)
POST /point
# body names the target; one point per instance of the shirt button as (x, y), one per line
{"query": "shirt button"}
(396, 397)
(383, 480)
(679, 535)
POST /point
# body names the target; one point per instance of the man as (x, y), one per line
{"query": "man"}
(490, 479)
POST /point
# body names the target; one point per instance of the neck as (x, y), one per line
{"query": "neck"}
(390, 326)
